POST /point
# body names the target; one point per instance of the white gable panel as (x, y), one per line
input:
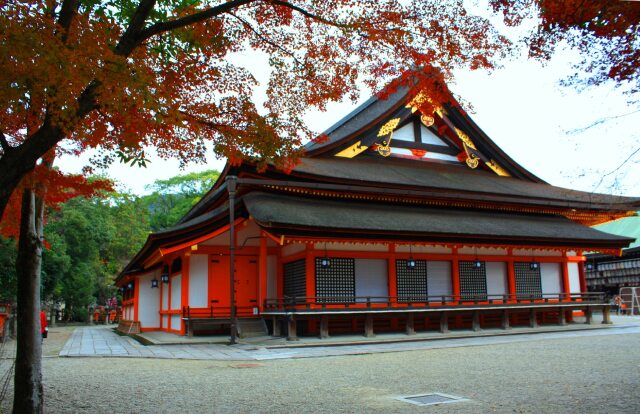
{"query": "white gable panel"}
(429, 137)
(404, 134)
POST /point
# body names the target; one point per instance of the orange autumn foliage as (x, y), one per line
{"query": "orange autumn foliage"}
(125, 75)
(605, 32)
(55, 188)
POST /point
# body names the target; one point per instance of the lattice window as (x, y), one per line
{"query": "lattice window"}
(528, 283)
(411, 282)
(336, 282)
(295, 280)
(473, 281)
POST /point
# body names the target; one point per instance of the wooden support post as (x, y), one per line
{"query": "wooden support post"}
(588, 315)
(533, 318)
(444, 322)
(562, 315)
(324, 327)
(606, 314)
(410, 329)
(276, 325)
(505, 319)
(368, 326)
(292, 329)
(475, 323)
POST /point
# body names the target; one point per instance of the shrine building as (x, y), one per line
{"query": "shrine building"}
(397, 221)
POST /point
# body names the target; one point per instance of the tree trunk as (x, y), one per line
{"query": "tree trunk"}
(28, 392)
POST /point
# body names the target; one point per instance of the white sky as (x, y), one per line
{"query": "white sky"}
(521, 108)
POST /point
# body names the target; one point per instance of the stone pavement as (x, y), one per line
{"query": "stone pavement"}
(102, 341)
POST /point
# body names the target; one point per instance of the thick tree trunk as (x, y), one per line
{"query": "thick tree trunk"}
(28, 392)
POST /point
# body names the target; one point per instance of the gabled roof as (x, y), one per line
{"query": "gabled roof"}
(363, 124)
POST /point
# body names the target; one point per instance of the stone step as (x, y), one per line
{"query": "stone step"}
(251, 327)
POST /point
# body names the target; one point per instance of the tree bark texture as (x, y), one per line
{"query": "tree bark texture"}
(28, 392)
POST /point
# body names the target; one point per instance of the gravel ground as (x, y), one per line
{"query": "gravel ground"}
(571, 375)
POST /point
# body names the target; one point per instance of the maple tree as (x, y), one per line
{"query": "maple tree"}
(605, 32)
(123, 75)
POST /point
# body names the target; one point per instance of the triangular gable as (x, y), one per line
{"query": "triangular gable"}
(395, 127)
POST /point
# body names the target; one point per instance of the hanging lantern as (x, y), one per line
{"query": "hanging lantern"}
(154, 282)
(534, 265)
(164, 276)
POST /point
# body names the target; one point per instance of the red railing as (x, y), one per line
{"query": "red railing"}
(381, 302)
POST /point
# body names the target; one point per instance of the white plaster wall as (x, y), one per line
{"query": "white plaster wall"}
(439, 278)
(165, 321)
(550, 277)
(198, 280)
(250, 229)
(293, 248)
(537, 253)
(372, 278)
(220, 240)
(355, 247)
(165, 295)
(175, 322)
(176, 292)
(574, 278)
(149, 301)
(496, 279)
(483, 251)
(404, 248)
(272, 276)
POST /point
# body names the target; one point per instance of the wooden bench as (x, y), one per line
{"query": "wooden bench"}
(202, 319)
(129, 327)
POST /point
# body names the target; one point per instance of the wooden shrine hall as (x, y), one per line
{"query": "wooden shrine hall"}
(397, 221)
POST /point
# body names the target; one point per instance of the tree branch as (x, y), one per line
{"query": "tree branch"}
(200, 16)
(309, 14)
(131, 37)
(67, 13)
(266, 39)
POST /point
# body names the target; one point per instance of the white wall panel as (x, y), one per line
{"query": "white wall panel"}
(496, 278)
(198, 280)
(165, 321)
(175, 322)
(165, 295)
(574, 278)
(176, 292)
(372, 278)
(149, 301)
(551, 278)
(439, 278)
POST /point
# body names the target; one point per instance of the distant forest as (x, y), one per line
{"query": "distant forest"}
(89, 240)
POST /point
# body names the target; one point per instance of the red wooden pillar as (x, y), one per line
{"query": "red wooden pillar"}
(455, 275)
(511, 276)
(583, 280)
(310, 270)
(391, 271)
(262, 273)
(136, 297)
(565, 278)
(184, 289)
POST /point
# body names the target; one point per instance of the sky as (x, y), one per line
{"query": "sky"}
(521, 107)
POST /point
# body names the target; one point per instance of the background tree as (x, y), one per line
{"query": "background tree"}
(606, 33)
(171, 199)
